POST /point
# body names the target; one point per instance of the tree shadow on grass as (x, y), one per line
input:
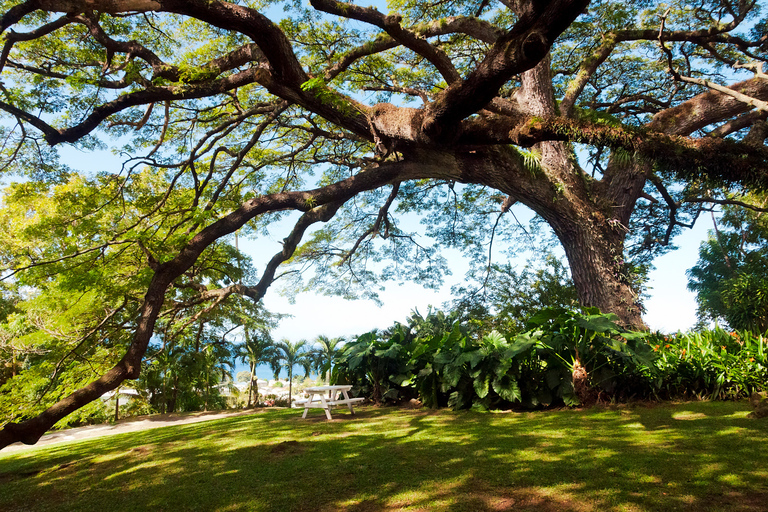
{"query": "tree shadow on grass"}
(687, 457)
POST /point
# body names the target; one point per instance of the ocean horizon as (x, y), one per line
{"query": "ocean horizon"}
(264, 372)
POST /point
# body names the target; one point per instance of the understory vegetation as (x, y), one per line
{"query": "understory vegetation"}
(563, 357)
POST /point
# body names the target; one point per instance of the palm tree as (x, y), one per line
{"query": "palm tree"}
(290, 355)
(168, 368)
(326, 352)
(214, 365)
(255, 351)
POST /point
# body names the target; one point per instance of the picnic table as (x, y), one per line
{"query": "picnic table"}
(316, 397)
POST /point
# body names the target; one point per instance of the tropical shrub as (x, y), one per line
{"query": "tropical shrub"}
(586, 354)
(371, 363)
(713, 364)
(564, 357)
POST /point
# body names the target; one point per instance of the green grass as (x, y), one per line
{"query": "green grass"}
(692, 456)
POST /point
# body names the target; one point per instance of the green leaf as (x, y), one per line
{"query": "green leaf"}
(473, 358)
(508, 389)
(544, 316)
(599, 323)
(523, 343)
(451, 375)
(480, 385)
(554, 377)
(479, 406)
(390, 352)
(495, 339)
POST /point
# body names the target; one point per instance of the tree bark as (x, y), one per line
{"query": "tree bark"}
(595, 254)
(591, 233)
(250, 385)
(117, 403)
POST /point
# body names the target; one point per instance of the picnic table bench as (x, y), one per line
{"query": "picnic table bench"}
(317, 398)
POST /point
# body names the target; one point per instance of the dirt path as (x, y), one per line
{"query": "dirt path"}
(128, 425)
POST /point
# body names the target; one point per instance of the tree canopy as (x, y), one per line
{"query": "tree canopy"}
(617, 123)
(731, 277)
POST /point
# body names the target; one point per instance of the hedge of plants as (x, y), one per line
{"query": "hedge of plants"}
(563, 357)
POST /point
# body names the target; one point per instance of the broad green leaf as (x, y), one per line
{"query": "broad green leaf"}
(480, 385)
(508, 389)
(599, 323)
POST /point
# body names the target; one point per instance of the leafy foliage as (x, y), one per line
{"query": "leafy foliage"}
(731, 277)
(508, 298)
(67, 322)
(710, 364)
(563, 357)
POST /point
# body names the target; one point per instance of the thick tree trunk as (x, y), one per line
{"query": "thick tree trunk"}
(597, 268)
(592, 234)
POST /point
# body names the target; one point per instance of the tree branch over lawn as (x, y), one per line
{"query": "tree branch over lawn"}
(328, 199)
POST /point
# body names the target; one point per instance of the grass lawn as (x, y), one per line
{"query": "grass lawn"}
(701, 456)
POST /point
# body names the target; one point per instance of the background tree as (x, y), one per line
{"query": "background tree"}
(458, 110)
(257, 349)
(326, 352)
(506, 299)
(287, 356)
(731, 277)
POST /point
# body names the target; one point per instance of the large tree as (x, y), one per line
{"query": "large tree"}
(731, 277)
(605, 118)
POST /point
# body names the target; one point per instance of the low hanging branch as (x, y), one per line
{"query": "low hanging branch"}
(327, 200)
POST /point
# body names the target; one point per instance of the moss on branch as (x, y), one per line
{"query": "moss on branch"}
(714, 161)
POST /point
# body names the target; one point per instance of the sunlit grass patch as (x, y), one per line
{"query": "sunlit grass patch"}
(689, 456)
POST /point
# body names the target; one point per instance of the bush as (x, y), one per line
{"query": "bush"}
(712, 364)
(564, 357)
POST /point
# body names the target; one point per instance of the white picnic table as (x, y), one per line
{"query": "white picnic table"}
(316, 397)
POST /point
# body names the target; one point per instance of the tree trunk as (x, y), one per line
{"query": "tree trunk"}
(290, 387)
(595, 255)
(172, 405)
(250, 385)
(117, 403)
(165, 397)
(592, 234)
